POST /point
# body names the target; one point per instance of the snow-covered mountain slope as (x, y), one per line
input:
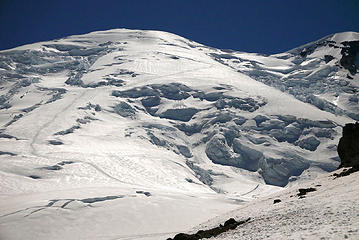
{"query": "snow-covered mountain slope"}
(322, 73)
(331, 211)
(144, 126)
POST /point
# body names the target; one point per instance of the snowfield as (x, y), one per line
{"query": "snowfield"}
(130, 134)
(330, 212)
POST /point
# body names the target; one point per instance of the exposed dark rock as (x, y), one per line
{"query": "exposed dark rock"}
(98, 108)
(7, 153)
(147, 194)
(29, 109)
(307, 51)
(83, 121)
(219, 88)
(55, 142)
(126, 72)
(350, 53)
(348, 147)
(4, 135)
(328, 58)
(62, 163)
(181, 114)
(189, 180)
(53, 168)
(34, 177)
(99, 199)
(346, 172)
(230, 224)
(68, 131)
(304, 191)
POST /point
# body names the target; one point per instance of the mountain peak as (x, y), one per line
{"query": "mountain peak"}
(130, 119)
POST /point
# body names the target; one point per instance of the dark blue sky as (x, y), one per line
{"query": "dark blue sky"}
(267, 26)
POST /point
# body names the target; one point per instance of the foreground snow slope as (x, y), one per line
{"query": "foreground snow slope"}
(118, 131)
(330, 212)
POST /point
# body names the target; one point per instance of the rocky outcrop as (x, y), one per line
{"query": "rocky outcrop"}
(304, 191)
(230, 224)
(349, 58)
(348, 147)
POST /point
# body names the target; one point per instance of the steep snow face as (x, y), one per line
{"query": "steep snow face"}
(322, 73)
(141, 118)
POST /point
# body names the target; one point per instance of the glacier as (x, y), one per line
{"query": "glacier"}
(132, 134)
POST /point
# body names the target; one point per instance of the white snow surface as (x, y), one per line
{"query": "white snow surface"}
(131, 134)
(330, 212)
(345, 36)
